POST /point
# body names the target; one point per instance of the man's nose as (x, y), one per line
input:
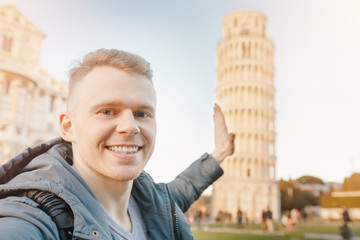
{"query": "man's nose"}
(127, 124)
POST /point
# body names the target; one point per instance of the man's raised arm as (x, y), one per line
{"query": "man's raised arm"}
(188, 186)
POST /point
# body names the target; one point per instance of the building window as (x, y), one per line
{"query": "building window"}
(271, 172)
(52, 102)
(249, 172)
(271, 149)
(245, 30)
(243, 50)
(271, 126)
(7, 43)
(6, 87)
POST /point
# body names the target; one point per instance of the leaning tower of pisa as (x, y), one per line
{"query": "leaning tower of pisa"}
(245, 90)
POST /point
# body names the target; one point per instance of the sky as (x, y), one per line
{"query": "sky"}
(316, 58)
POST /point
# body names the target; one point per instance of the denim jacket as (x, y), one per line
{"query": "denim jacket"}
(47, 167)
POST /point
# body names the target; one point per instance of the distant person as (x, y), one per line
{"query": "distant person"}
(198, 218)
(304, 215)
(345, 232)
(108, 135)
(295, 215)
(239, 216)
(190, 217)
(204, 218)
(263, 220)
(346, 216)
(286, 220)
(269, 220)
(246, 218)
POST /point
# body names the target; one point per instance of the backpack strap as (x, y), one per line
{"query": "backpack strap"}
(14, 166)
(54, 206)
(59, 211)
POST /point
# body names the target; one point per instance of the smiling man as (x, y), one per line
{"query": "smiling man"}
(108, 136)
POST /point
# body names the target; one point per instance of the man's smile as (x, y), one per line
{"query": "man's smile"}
(124, 149)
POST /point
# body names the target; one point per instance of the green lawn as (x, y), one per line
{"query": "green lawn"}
(283, 234)
(329, 227)
(201, 235)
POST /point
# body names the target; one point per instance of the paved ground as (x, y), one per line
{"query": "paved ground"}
(327, 236)
(323, 236)
(245, 231)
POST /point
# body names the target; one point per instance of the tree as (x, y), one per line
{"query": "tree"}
(309, 180)
(293, 197)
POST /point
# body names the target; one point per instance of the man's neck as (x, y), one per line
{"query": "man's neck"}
(115, 202)
(113, 196)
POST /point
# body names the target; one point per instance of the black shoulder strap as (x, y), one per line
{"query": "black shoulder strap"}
(59, 211)
(14, 166)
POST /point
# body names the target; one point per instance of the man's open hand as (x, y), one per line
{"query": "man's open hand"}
(224, 141)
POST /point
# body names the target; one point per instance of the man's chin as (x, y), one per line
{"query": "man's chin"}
(127, 175)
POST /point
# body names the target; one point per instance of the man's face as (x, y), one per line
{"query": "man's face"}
(113, 124)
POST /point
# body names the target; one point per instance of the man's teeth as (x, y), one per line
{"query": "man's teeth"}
(124, 149)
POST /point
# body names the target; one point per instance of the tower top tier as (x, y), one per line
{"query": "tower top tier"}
(244, 22)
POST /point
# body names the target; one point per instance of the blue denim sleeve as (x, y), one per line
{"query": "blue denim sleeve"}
(188, 185)
(21, 219)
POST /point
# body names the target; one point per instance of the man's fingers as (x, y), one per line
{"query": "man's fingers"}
(232, 143)
(218, 115)
(232, 137)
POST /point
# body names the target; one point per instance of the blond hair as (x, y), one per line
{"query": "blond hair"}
(122, 60)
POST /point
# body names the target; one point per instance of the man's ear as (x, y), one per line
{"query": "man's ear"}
(66, 127)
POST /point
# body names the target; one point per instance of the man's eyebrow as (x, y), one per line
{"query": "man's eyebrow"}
(105, 104)
(115, 104)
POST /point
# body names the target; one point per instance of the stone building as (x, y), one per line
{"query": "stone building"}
(245, 90)
(348, 196)
(30, 98)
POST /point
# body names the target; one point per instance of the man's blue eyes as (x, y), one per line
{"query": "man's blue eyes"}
(137, 114)
(141, 114)
(106, 112)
